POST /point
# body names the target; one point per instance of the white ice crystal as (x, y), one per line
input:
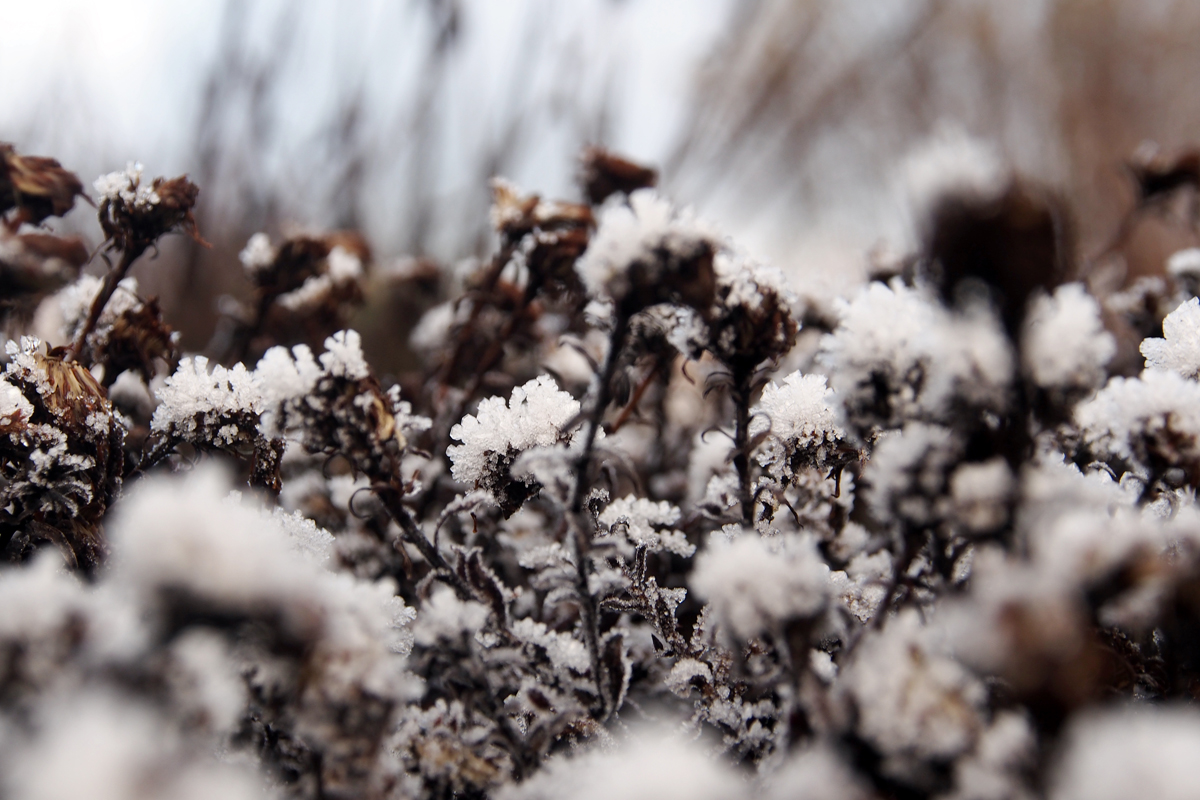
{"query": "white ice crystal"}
(754, 583)
(533, 417)
(1065, 345)
(912, 699)
(1185, 264)
(13, 405)
(648, 523)
(1179, 349)
(444, 616)
(1128, 409)
(103, 746)
(630, 233)
(193, 395)
(127, 188)
(1141, 751)
(652, 765)
(282, 375)
(343, 356)
(901, 341)
(257, 255)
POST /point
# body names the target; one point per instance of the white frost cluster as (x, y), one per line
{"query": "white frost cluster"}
(648, 523)
(1129, 409)
(343, 356)
(1132, 752)
(802, 416)
(912, 699)
(342, 268)
(630, 233)
(1065, 345)
(1179, 349)
(14, 407)
(193, 395)
(75, 301)
(652, 765)
(257, 255)
(899, 338)
(755, 583)
(533, 417)
(127, 188)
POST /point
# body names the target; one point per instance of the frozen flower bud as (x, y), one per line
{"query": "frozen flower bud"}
(800, 420)
(535, 416)
(133, 215)
(1064, 345)
(646, 524)
(913, 701)
(751, 321)
(1150, 422)
(62, 453)
(1179, 349)
(755, 585)
(37, 187)
(1137, 751)
(646, 253)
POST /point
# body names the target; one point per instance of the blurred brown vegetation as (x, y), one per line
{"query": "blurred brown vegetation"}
(798, 120)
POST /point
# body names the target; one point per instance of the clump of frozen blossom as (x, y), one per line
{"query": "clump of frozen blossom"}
(535, 416)
(913, 700)
(898, 355)
(646, 247)
(1151, 418)
(1142, 751)
(754, 584)
(257, 255)
(648, 524)
(197, 404)
(1179, 349)
(1065, 345)
(126, 186)
(801, 420)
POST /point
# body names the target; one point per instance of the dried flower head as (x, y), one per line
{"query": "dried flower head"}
(133, 215)
(36, 187)
(604, 173)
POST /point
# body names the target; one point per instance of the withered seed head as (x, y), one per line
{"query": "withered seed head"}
(37, 187)
(135, 220)
(604, 174)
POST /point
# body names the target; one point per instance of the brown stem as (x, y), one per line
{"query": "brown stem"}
(637, 398)
(391, 500)
(741, 449)
(111, 280)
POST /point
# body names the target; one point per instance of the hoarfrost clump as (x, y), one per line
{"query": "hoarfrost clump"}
(801, 418)
(1065, 344)
(257, 255)
(194, 399)
(1142, 751)
(127, 188)
(755, 584)
(534, 417)
(650, 766)
(1179, 349)
(1152, 418)
(912, 700)
(648, 524)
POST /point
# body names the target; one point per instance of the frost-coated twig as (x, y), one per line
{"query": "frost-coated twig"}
(111, 280)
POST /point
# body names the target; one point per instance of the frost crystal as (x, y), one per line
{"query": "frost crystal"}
(1147, 751)
(1179, 350)
(533, 417)
(193, 394)
(637, 232)
(14, 408)
(911, 699)
(343, 356)
(126, 187)
(803, 420)
(1126, 416)
(257, 255)
(1065, 345)
(754, 586)
(647, 523)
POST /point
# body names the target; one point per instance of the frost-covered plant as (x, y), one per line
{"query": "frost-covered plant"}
(923, 564)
